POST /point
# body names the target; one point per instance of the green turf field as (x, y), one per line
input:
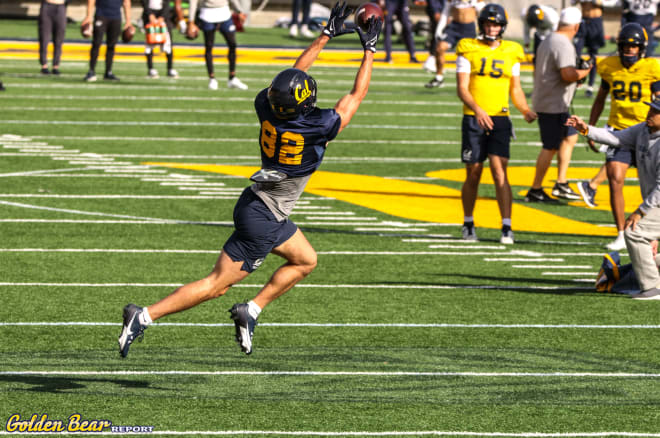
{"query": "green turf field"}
(402, 330)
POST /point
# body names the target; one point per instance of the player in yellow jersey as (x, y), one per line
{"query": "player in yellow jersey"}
(630, 79)
(487, 73)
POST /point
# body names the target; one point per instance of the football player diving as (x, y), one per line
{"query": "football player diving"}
(293, 138)
(487, 74)
(630, 78)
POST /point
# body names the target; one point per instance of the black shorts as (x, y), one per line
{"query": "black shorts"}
(553, 129)
(454, 32)
(590, 35)
(477, 143)
(256, 233)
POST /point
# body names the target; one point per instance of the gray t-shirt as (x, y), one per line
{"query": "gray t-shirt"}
(551, 94)
(281, 197)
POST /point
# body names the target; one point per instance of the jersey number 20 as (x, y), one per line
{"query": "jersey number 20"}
(289, 143)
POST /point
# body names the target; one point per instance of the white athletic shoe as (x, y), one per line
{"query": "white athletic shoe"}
(617, 244)
(173, 73)
(213, 84)
(429, 64)
(293, 31)
(236, 83)
(305, 32)
(153, 73)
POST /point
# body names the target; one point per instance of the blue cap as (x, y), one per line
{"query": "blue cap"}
(655, 104)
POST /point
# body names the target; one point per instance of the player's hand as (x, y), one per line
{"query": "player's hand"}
(242, 17)
(484, 120)
(577, 123)
(530, 116)
(192, 30)
(370, 37)
(592, 145)
(632, 220)
(335, 26)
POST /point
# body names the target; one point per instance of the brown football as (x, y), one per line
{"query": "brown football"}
(128, 34)
(366, 11)
(86, 30)
(191, 34)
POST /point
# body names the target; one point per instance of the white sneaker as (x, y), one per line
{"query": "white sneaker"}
(293, 31)
(236, 83)
(429, 64)
(213, 84)
(305, 32)
(173, 73)
(153, 73)
(617, 245)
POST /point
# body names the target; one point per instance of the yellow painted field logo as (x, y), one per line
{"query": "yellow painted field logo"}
(439, 204)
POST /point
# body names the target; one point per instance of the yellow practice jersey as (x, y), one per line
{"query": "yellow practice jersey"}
(629, 88)
(490, 73)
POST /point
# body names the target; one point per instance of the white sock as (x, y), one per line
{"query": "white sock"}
(439, 77)
(506, 222)
(144, 317)
(468, 219)
(253, 309)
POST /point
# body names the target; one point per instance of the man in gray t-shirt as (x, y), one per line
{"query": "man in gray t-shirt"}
(555, 80)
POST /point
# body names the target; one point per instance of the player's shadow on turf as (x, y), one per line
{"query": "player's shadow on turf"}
(59, 384)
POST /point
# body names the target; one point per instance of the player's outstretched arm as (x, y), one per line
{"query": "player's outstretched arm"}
(347, 106)
(520, 101)
(335, 27)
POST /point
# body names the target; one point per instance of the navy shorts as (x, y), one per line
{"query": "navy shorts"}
(256, 232)
(454, 32)
(477, 143)
(590, 35)
(224, 27)
(553, 129)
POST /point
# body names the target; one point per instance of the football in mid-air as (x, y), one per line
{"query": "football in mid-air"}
(128, 34)
(366, 11)
(86, 30)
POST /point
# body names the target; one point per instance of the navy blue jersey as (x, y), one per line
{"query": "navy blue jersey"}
(109, 8)
(296, 146)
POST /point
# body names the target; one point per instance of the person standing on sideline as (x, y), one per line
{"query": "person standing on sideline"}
(107, 21)
(401, 9)
(433, 9)
(629, 79)
(544, 19)
(300, 27)
(555, 82)
(293, 138)
(487, 73)
(643, 13)
(463, 14)
(590, 35)
(642, 227)
(52, 24)
(155, 12)
(215, 15)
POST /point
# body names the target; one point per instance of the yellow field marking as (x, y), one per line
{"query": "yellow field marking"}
(416, 201)
(245, 55)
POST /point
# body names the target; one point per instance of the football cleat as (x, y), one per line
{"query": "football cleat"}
(90, 77)
(244, 325)
(435, 83)
(469, 231)
(45, 71)
(305, 32)
(109, 76)
(589, 92)
(507, 235)
(236, 83)
(538, 195)
(213, 84)
(132, 328)
(429, 64)
(153, 73)
(588, 194)
(172, 73)
(563, 190)
(55, 71)
(651, 294)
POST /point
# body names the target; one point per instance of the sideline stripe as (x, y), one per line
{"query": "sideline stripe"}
(316, 286)
(326, 373)
(337, 325)
(368, 434)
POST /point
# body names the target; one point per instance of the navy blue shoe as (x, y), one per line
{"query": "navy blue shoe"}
(244, 324)
(132, 328)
